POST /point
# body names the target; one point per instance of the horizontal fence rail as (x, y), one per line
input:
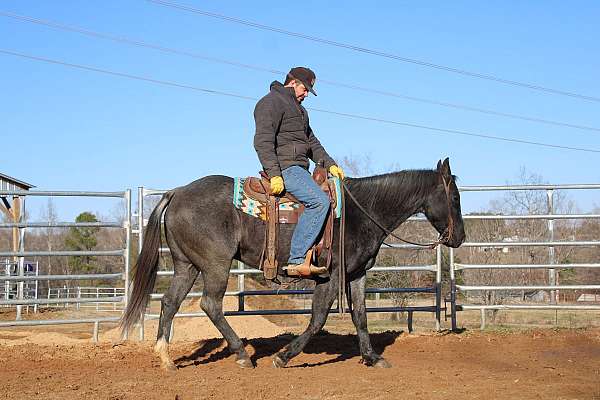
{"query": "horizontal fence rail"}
(83, 277)
(459, 266)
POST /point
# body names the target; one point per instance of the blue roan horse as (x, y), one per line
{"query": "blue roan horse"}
(206, 232)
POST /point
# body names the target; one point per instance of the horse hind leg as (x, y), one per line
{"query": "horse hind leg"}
(183, 279)
(215, 284)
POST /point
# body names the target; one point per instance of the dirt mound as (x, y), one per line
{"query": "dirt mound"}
(21, 337)
(193, 328)
(186, 329)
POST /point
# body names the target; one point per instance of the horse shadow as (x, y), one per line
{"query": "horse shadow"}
(344, 346)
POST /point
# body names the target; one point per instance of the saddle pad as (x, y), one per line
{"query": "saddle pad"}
(259, 210)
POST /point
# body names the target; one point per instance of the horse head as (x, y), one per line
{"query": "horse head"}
(442, 207)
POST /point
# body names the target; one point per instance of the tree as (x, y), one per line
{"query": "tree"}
(82, 239)
(49, 214)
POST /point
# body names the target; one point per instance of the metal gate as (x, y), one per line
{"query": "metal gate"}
(21, 278)
(550, 244)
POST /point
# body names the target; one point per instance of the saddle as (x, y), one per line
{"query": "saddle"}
(286, 209)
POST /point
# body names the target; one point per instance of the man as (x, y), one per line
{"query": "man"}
(284, 143)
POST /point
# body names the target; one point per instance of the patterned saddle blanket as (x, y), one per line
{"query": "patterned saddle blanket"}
(249, 197)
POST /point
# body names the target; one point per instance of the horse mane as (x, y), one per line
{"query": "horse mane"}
(404, 188)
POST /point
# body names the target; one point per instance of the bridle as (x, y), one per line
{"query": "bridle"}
(443, 238)
(449, 231)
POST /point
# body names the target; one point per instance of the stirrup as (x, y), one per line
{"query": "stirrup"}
(304, 270)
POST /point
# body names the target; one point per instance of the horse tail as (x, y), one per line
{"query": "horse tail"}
(145, 270)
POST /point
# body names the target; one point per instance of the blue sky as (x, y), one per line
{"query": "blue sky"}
(80, 130)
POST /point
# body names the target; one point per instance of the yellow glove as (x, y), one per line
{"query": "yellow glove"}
(336, 171)
(276, 185)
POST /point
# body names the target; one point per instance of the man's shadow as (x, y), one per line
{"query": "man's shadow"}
(344, 347)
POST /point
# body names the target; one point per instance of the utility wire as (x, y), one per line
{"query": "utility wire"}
(355, 116)
(168, 50)
(125, 75)
(374, 52)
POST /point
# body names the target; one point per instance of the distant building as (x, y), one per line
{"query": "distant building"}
(12, 205)
(9, 183)
(502, 249)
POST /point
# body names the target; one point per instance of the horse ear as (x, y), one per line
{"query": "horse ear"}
(439, 166)
(446, 168)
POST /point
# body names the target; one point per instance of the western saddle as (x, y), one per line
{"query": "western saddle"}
(259, 189)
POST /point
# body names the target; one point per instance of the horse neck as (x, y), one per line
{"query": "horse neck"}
(392, 198)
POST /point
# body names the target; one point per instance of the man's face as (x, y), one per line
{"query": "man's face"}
(300, 91)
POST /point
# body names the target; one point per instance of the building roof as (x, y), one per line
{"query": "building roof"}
(9, 183)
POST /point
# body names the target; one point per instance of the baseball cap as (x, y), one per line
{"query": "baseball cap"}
(304, 75)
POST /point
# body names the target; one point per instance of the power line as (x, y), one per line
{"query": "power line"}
(125, 75)
(354, 116)
(168, 50)
(375, 52)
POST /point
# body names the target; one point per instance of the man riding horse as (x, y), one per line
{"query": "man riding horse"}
(205, 231)
(284, 142)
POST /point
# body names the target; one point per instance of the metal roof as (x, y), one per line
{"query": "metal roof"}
(9, 183)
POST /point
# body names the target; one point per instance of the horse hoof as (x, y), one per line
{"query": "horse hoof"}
(244, 363)
(278, 362)
(382, 363)
(169, 367)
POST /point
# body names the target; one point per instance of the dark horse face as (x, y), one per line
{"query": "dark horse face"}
(442, 208)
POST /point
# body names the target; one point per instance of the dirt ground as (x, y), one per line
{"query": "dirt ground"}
(537, 364)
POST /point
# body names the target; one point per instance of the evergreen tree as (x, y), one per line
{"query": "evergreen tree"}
(82, 239)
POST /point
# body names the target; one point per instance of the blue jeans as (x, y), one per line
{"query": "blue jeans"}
(301, 185)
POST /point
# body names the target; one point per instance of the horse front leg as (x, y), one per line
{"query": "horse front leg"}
(359, 317)
(323, 297)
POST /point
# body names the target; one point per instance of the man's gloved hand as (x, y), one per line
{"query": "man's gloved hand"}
(276, 185)
(336, 171)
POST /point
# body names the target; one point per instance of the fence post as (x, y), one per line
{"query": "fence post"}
(241, 287)
(551, 257)
(452, 290)
(438, 289)
(37, 273)
(140, 230)
(78, 297)
(96, 329)
(21, 262)
(482, 327)
(127, 226)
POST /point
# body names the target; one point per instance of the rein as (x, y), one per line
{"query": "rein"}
(444, 237)
(342, 258)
